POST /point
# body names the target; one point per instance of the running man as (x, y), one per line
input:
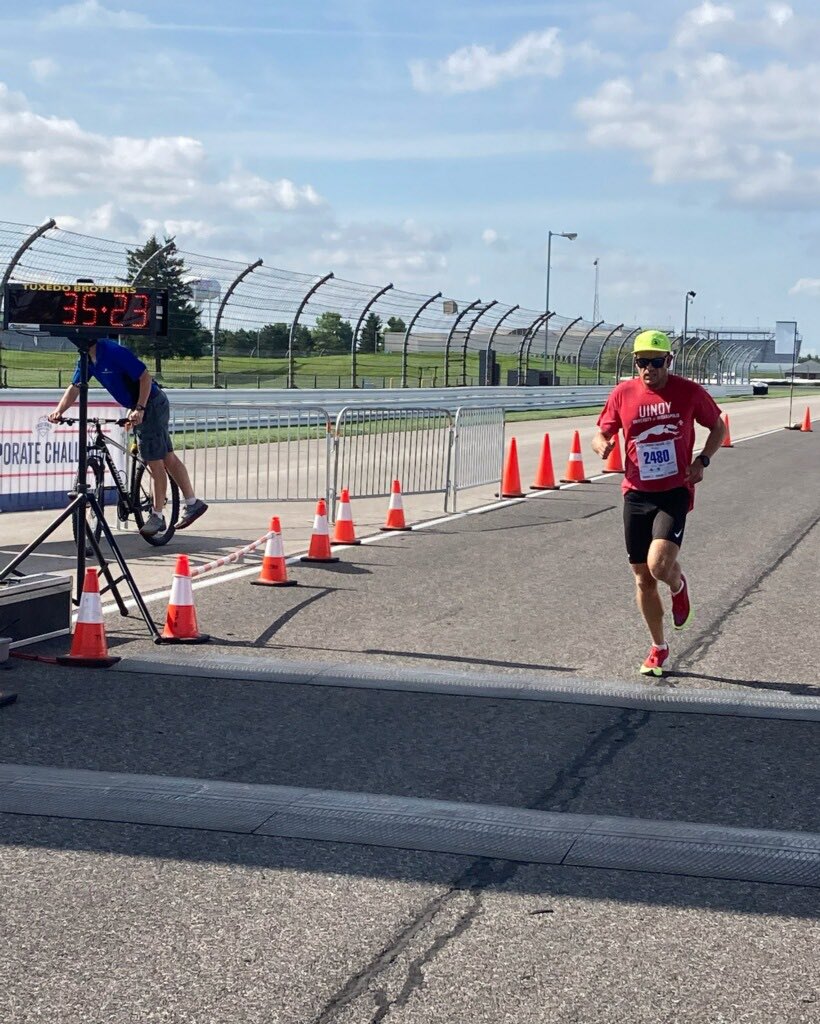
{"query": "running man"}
(657, 411)
(129, 383)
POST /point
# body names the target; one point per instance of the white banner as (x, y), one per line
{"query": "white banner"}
(785, 339)
(38, 459)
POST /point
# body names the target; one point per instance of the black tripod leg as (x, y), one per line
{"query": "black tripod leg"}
(126, 572)
(104, 569)
(67, 511)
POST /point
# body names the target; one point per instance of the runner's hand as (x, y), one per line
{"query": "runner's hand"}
(135, 417)
(694, 473)
(601, 446)
(54, 417)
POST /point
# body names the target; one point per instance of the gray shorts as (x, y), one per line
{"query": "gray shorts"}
(153, 439)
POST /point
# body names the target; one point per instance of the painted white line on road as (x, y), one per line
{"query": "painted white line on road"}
(36, 554)
(162, 595)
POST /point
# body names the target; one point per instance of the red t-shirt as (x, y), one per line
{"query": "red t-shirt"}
(659, 429)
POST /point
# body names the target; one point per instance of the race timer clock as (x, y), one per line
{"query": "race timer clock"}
(90, 308)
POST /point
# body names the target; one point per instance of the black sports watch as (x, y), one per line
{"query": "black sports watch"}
(705, 460)
(142, 409)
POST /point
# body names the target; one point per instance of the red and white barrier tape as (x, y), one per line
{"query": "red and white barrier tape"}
(234, 556)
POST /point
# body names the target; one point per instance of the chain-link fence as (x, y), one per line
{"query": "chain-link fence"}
(235, 324)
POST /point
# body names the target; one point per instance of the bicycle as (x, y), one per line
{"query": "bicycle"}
(134, 495)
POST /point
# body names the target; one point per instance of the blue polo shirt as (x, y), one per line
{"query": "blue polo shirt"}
(118, 370)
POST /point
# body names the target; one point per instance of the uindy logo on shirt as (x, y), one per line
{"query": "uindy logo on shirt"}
(658, 409)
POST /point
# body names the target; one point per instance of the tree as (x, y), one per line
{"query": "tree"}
(395, 323)
(273, 339)
(186, 335)
(370, 335)
(331, 334)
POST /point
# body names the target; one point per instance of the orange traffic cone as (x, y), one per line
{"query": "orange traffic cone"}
(319, 548)
(274, 570)
(89, 648)
(511, 478)
(344, 532)
(614, 463)
(575, 464)
(806, 427)
(180, 621)
(395, 511)
(545, 477)
(727, 437)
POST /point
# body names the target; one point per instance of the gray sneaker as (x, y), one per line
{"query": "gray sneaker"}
(192, 513)
(153, 525)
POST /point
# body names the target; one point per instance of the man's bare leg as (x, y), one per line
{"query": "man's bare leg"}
(176, 469)
(649, 601)
(662, 562)
(160, 480)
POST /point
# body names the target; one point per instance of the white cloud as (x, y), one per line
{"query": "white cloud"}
(806, 286)
(472, 68)
(702, 22)
(493, 240)
(754, 129)
(89, 14)
(247, 191)
(780, 14)
(406, 253)
(59, 158)
(42, 68)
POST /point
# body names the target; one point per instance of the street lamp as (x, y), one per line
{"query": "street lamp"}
(571, 235)
(689, 297)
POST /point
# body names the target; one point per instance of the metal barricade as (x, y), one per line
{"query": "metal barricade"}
(255, 453)
(374, 446)
(478, 448)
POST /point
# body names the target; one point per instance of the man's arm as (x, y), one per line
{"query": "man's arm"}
(602, 444)
(694, 473)
(69, 398)
(145, 382)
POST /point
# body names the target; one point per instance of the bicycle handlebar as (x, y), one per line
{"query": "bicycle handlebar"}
(93, 420)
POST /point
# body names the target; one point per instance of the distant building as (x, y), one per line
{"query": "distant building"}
(810, 370)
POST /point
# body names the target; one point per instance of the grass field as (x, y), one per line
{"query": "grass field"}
(54, 369)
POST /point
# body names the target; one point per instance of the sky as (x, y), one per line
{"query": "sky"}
(436, 144)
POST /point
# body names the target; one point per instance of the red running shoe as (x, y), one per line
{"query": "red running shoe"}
(653, 666)
(682, 606)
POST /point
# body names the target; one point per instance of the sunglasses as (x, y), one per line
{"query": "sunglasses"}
(656, 361)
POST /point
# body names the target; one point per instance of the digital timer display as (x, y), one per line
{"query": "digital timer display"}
(90, 308)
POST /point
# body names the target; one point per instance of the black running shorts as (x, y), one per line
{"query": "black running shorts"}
(653, 515)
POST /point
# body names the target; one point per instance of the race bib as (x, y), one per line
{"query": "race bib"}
(657, 460)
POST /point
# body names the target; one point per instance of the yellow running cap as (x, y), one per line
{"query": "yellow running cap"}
(652, 341)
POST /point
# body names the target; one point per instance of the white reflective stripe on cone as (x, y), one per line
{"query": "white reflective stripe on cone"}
(395, 500)
(181, 591)
(574, 456)
(320, 525)
(276, 548)
(90, 610)
(345, 515)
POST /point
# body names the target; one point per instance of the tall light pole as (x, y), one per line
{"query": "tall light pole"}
(571, 235)
(689, 297)
(596, 313)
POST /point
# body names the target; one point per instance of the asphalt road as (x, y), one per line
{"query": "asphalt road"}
(117, 922)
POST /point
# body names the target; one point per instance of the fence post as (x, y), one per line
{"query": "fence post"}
(215, 337)
(406, 341)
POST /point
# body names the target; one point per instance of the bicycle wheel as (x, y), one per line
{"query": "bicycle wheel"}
(142, 499)
(95, 477)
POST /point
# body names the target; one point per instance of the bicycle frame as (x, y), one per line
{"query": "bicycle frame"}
(98, 448)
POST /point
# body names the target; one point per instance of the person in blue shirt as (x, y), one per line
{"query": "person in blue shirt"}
(129, 383)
